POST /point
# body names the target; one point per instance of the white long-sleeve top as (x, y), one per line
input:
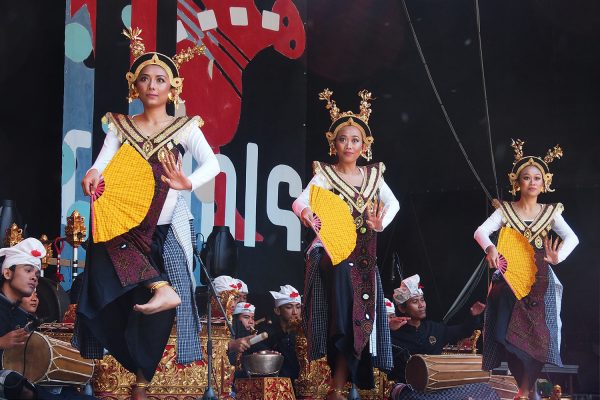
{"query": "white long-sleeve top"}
(385, 194)
(193, 141)
(559, 225)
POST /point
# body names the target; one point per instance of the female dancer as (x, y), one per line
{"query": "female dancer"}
(126, 304)
(344, 314)
(526, 331)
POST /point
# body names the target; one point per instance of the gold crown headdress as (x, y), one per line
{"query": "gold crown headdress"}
(170, 65)
(521, 162)
(349, 118)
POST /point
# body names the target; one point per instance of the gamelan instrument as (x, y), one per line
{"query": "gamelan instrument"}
(434, 372)
(49, 361)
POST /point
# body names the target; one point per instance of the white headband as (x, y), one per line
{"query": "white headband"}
(287, 294)
(409, 288)
(389, 306)
(28, 252)
(244, 308)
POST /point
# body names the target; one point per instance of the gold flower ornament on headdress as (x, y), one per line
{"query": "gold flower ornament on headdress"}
(171, 65)
(521, 162)
(359, 120)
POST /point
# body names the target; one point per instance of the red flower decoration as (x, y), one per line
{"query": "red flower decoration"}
(247, 305)
(388, 303)
(239, 285)
(60, 277)
(293, 295)
(421, 285)
(36, 253)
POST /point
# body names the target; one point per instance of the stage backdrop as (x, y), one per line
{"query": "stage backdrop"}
(241, 88)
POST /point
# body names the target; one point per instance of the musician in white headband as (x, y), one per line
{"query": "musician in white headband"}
(282, 333)
(244, 312)
(21, 268)
(20, 273)
(409, 288)
(416, 334)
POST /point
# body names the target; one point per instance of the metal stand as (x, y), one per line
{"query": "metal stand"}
(209, 393)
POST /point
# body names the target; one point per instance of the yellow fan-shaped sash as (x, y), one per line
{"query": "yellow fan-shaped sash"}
(521, 269)
(335, 225)
(128, 192)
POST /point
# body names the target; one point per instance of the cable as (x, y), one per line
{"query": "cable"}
(437, 95)
(485, 100)
(427, 260)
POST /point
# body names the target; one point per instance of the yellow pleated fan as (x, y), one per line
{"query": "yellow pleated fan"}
(334, 224)
(519, 269)
(124, 195)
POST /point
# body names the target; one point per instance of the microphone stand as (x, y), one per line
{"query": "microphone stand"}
(209, 393)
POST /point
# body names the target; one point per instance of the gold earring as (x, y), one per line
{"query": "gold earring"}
(133, 94)
(171, 97)
(332, 150)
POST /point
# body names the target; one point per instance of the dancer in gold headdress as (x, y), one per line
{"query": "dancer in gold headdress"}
(526, 331)
(142, 240)
(344, 315)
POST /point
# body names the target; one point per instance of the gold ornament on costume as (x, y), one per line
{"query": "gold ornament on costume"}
(171, 65)
(521, 162)
(136, 42)
(359, 120)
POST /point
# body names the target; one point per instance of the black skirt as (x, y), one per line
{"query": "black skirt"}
(105, 309)
(340, 333)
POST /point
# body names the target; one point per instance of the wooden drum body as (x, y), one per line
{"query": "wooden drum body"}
(434, 372)
(49, 361)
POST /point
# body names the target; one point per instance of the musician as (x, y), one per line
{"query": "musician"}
(225, 283)
(526, 332)
(20, 274)
(412, 333)
(30, 303)
(343, 310)
(127, 304)
(283, 331)
(243, 326)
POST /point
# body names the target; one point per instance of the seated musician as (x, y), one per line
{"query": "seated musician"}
(243, 326)
(412, 333)
(225, 283)
(30, 303)
(282, 332)
(20, 274)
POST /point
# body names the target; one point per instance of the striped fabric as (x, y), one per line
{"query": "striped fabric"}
(314, 316)
(178, 259)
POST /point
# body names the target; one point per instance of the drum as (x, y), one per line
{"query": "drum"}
(49, 361)
(505, 385)
(434, 372)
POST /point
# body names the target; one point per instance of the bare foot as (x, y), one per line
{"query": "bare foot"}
(164, 298)
(138, 393)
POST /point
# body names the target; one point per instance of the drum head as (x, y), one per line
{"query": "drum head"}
(416, 372)
(37, 352)
(54, 301)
